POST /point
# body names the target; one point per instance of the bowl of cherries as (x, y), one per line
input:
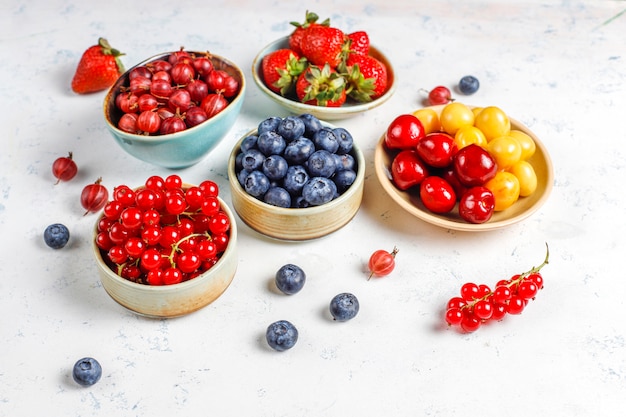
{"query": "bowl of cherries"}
(166, 248)
(172, 109)
(464, 168)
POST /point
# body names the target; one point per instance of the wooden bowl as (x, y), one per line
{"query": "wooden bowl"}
(296, 224)
(520, 210)
(165, 301)
(349, 109)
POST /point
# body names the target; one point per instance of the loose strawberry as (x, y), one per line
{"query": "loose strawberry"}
(281, 69)
(98, 69)
(367, 77)
(359, 42)
(295, 39)
(323, 45)
(321, 87)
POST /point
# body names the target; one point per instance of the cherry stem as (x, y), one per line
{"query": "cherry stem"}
(514, 282)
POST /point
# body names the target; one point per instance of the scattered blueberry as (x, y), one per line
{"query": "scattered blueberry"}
(311, 124)
(290, 279)
(325, 139)
(344, 179)
(319, 190)
(278, 196)
(291, 128)
(268, 125)
(299, 150)
(87, 371)
(344, 139)
(281, 335)
(321, 164)
(275, 167)
(56, 236)
(252, 159)
(344, 306)
(295, 179)
(256, 183)
(468, 85)
(271, 143)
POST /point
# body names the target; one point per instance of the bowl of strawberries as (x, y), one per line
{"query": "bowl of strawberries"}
(322, 70)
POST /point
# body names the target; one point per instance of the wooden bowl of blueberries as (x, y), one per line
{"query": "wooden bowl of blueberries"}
(296, 178)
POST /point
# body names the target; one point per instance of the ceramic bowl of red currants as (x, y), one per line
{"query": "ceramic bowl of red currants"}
(296, 186)
(172, 109)
(463, 167)
(290, 101)
(166, 249)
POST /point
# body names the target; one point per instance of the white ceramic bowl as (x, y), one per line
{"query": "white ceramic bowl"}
(174, 300)
(181, 149)
(519, 211)
(347, 110)
(297, 224)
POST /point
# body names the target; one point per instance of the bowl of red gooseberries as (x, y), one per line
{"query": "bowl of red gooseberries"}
(464, 167)
(174, 108)
(166, 248)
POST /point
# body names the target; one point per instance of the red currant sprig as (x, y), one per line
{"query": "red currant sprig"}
(478, 304)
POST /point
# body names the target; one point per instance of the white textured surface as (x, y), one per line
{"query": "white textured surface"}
(553, 65)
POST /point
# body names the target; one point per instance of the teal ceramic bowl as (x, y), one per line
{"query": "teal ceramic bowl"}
(181, 149)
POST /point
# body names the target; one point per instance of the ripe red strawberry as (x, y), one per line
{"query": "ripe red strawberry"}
(98, 69)
(367, 77)
(323, 45)
(321, 87)
(359, 42)
(295, 39)
(281, 69)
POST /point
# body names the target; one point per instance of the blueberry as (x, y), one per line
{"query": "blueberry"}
(241, 177)
(238, 159)
(275, 167)
(249, 142)
(319, 190)
(344, 179)
(295, 179)
(311, 124)
(271, 143)
(281, 335)
(326, 139)
(256, 183)
(321, 164)
(268, 125)
(278, 196)
(345, 161)
(345, 140)
(87, 371)
(252, 159)
(291, 128)
(299, 202)
(56, 236)
(344, 306)
(299, 150)
(290, 279)
(468, 85)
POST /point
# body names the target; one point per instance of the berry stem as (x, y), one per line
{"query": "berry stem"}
(514, 282)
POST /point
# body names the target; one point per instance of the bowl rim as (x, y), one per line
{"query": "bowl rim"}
(289, 211)
(351, 108)
(236, 101)
(230, 249)
(383, 174)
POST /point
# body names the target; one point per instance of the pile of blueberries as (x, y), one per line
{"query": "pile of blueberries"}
(296, 162)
